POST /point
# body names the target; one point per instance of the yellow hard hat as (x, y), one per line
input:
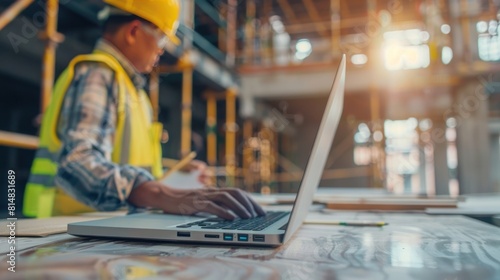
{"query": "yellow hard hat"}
(162, 13)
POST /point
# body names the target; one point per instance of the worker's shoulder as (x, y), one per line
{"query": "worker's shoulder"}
(94, 68)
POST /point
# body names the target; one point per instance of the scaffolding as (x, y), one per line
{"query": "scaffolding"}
(186, 65)
(52, 38)
(190, 62)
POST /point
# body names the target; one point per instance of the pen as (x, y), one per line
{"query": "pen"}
(346, 223)
(180, 164)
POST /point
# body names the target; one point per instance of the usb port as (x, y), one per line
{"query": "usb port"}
(242, 237)
(183, 233)
(212, 236)
(259, 238)
(228, 236)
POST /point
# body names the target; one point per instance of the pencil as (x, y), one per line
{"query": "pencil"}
(346, 223)
(180, 164)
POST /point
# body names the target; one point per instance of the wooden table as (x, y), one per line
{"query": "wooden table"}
(412, 246)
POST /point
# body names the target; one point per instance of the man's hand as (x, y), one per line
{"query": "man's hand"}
(219, 202)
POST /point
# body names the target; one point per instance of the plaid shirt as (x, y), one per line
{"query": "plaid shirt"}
(87, 129)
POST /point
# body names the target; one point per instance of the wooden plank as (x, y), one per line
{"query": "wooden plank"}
(388, 204)
(327, 174)
(17, 140)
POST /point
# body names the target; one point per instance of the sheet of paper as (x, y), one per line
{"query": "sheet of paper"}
(29, 242)
(41, 227)
(183, 180)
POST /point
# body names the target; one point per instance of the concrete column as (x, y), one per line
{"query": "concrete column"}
(473, 141)
(457, 35)
(231, 33)
(422, 169)
(187, 18)
(495, 162)
(441, 173)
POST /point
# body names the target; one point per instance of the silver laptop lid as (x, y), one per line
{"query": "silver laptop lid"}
(321, 149)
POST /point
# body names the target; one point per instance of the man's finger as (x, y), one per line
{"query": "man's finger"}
(220, 212)
(246, 196)
(260, 211)
(244, 199)
(230, 202)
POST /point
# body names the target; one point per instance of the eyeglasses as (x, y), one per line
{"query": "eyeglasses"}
(161, 38)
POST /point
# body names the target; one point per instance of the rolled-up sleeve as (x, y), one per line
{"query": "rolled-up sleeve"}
(87, 130)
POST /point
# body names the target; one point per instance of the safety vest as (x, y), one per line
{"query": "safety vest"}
(136, 142)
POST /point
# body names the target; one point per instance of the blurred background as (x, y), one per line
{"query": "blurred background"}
(247, 87)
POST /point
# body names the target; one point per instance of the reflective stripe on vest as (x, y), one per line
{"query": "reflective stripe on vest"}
(137, 141)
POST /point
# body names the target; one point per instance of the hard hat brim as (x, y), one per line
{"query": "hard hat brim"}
(173, 38)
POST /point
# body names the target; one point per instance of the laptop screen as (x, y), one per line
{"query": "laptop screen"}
(323, 139)
(303, 118)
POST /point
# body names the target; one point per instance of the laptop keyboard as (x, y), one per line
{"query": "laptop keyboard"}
(256, 224)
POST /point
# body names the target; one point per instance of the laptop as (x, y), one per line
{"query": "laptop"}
(274, 229)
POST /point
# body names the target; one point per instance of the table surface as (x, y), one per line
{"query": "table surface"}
(473, 206)
(412, 246)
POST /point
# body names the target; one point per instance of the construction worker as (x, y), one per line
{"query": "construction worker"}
(99, 148)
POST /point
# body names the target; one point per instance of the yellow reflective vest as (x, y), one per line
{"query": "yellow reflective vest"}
(137, 141)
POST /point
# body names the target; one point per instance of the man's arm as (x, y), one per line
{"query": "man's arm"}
(87, 173)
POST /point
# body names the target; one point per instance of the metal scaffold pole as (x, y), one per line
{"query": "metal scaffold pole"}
(211, 129)
(13, 11)
(187, 102)
(52, 38)
(231, 129)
